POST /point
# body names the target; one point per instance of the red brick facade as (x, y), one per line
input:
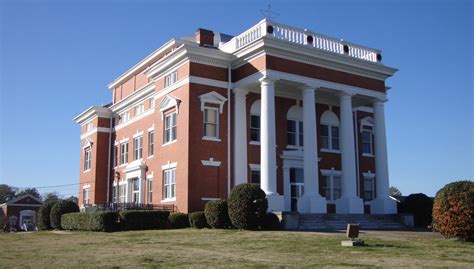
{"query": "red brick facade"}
(196, 183)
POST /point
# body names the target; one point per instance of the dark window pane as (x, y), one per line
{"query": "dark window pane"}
(255, 177)
(254, 121)
(324, 130)
(291, 126)
(291, 139)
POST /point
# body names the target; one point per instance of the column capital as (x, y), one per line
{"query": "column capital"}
(379, 101)
(345, 94)
(240, 91)
(308, 88)
(267, 80)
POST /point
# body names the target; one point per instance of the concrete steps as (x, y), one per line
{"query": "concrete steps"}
(340, 221)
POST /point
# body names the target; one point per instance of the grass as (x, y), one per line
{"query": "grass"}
(228, 248)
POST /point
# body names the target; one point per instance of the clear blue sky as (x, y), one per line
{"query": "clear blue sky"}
(57, 57)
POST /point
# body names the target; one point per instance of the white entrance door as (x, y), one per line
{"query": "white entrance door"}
(296, 186)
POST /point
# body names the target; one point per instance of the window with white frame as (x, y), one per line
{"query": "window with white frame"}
(329, 131)
(151, 103)
(85, 195)
(332, 187)
(169, 183)
(170, 128)
(367, 146)
(255, 121)
(171, 78)
(115, 160)
(114, 193)
(150, 190)
(139, 109)
(135, 184)
(124, 117)
(122, 193)
(295, 126)
(151, 142)
(138, 147)
(211, 122)
(369, 188)
(87, 158)
(124, 153)
(89, 127)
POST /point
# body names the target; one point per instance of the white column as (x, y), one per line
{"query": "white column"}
(311, 201)
(349, 202)
(240, 137)
(382, 204)
(287, 188)
(268, 145)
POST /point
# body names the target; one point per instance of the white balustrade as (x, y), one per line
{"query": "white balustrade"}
(298, 36)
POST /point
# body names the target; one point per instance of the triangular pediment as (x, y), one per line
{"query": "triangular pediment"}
(212, 98)
(168, 102)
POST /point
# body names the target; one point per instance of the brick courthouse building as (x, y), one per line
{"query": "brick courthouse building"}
(297, 112)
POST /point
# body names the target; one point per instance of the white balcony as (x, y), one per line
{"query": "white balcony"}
(274, 30)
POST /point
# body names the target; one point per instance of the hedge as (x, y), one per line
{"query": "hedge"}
(271, 222)
(143, 219)
(178, 220)
(217, 215)
(96, 221)
(59, 208)
(420, 206)
(43, 221)
(197, 220)
(247, 206)
(453, 210)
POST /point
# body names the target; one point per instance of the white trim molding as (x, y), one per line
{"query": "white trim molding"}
(212, 98)
(167, 103)
(211, 162)
(169, 165)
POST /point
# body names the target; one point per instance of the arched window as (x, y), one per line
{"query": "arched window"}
(295, 126)
(330, 131)
(255, 122)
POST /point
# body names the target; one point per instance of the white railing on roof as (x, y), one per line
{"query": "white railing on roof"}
(302, 37)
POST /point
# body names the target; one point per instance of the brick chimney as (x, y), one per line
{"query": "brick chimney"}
(204, 37)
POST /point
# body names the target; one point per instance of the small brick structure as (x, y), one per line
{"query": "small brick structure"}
(20, 213)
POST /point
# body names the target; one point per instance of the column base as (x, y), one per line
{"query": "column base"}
(276, 202)
(312, 204)
(350, 205)
(383, 206)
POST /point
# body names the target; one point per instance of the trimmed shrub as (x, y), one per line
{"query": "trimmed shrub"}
(43, 221)
(271, 222)
(453, 210)
(96, 221)
(143, 219)
(217, 215)
(247, 206)
(59, 208)
(178, 220)
(420, 206)
(197, 220)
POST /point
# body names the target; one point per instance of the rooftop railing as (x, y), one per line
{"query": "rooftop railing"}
(314, 40)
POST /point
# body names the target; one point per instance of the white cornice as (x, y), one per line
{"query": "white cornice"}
(93, 111)
(162, 50)
(132, 99)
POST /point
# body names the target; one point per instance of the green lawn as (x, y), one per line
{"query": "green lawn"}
(229, 248)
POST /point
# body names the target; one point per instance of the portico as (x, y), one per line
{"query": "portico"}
(304, 157)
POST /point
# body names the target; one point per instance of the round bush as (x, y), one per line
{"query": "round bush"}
(197, 220)
(179, 220)
(421, 206)
(453, 210)
(217, 215)
(247, 206)
(60, 208)
(271, 222)
(43, 220)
